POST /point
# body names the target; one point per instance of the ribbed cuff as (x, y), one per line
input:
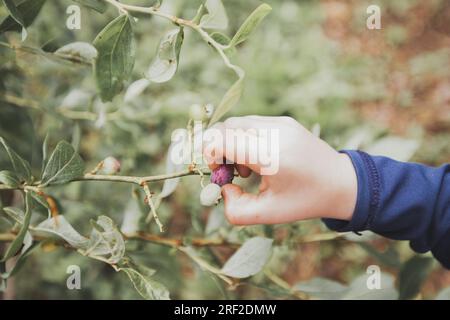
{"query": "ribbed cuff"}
(368, 198)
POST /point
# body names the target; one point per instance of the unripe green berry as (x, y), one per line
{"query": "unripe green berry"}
(209, 110)
(197, 112)
(210, 195)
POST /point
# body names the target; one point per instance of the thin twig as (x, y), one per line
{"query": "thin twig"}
(149, 200)
(115, 178)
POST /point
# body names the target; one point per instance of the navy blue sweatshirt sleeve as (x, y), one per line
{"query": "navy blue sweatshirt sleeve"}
(402, 201)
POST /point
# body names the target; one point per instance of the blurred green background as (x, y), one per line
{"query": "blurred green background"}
(386, 91)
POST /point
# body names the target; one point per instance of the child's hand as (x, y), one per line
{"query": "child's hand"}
(313, 180)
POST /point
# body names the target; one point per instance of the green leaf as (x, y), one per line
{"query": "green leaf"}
(63, 165)
(19, 240)
(250, 24)
(45, 150)
(16, 214)
(105, 242)
(147, 287)
(412, 275)
(165, 64)
(97, 5)
(9, 179)
(216, 17)
(14, 12)
(21, 167)
(223, 40)
(78, 51)
(229, 100)
(135, 89)
(22, 16)
(28, 248)
(116, 55)
(249, 259)
(58, 226)
(216, 221)
(41, 200)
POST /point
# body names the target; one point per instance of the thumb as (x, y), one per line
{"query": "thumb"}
(243, 208)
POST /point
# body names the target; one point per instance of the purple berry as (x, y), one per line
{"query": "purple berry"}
(223, 174)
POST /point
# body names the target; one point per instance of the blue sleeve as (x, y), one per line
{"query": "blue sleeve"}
(402, 201)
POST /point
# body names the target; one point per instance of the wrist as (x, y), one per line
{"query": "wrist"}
(346, 188)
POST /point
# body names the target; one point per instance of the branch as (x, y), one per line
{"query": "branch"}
(115, 178)
(170, 242)
(178, 242)
(186, 23)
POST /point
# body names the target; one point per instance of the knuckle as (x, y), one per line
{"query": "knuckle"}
(289, 120)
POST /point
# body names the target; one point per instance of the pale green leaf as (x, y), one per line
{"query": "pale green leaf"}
(131, 218)
(216, 18)
(19, 240)
(172, 166)
(135, 89)
(147, 287)
(216, 220)
(97, 5)
(58, 226)
(45, 150)
(229, 100)
(250, 24)
(225, 41)
(14, 213)
(78, 51)
(63, 165)
(165, 64)
(20, 259)
(106, 243)
(359, 290)
(9, 179)
(116, 55)
(249, 259)
(21, 167)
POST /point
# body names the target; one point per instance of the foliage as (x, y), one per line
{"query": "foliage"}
(120, 86)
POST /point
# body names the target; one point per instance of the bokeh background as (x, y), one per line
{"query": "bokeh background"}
(386, 91)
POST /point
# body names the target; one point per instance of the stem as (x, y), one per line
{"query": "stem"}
(175, 243)
(149, 199)
(113, 178)
(139, 180)
(284, 285)
(148, 237)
